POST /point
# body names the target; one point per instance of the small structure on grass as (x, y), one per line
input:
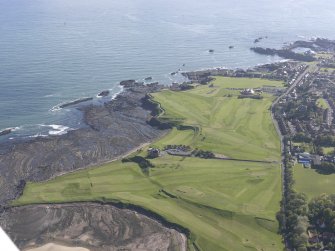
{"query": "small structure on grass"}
(304, 158)
(153, 153)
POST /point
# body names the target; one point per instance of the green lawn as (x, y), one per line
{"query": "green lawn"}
(328, 150)
(324, 55)
(322, 103)
(329, 70)
(311, 183)
(227, 205)
(307, 147)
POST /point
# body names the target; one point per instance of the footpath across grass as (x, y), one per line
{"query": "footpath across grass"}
(227, 205)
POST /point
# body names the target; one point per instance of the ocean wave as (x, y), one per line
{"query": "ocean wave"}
(37, 135)
(55, 108)
(14, 129)
(112, 90)
(58, 129)
(55, 129)
(49, 95)
(117, 93)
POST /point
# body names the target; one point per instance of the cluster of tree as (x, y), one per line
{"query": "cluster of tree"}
(322, 209)
(297, 220)
(203, 154)
(293, 217)
(325, 140)
(322, 212)
(325, 167)
(184, 148)
(186, 86)
(301, 137)
(143, 163)
(296, 215)
(301, 109)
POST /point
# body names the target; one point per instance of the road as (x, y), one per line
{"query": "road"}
(291, 87)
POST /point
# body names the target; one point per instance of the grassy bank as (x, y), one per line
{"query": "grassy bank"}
(227, 205)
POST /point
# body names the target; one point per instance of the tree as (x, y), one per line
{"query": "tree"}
(322, 208)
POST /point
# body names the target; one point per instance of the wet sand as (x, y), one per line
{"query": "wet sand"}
(56, 247)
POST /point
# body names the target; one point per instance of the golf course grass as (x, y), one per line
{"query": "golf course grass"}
(311, 183)
(237, 128)
(226, 204)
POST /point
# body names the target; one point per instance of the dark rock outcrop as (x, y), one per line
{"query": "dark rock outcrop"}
(103, 93)
(319, 44)
(89, 225)
(199, 76)
(74, 102)
(130, 83)
(5, 132)
(284, 53)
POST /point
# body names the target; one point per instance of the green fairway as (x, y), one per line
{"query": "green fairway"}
(227, 205)
(237, 128)
(311, 183)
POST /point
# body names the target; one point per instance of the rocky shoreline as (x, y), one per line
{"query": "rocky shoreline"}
(284, 53)
(113, 129)
(287, 52)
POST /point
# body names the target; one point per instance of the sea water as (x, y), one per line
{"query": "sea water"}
(56, 51)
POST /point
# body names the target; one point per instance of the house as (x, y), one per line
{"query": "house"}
(304, 158)
(248, 92)
(316, 160)
(313, 239)
(327, 236)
